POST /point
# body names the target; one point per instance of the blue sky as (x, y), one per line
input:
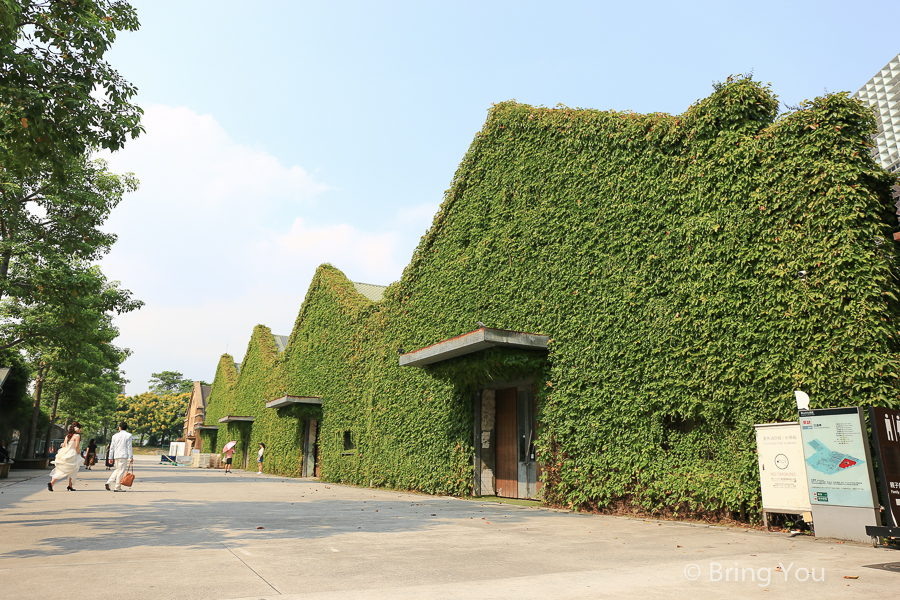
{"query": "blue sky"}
(281, 135)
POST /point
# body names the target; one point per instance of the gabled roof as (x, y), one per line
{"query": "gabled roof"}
(281, 342)
(204, 394)
(371, 291)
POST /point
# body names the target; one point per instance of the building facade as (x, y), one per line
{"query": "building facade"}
(552, 336)
(882, 94)
(195, 417)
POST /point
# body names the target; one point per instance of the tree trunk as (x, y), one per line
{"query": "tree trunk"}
(36, 410)
(52, 420)
(141, 444)
(8, 234)
(4, 267)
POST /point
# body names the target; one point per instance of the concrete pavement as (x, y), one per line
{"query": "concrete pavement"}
(197, 533)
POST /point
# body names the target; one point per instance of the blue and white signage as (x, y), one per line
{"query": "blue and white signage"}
(838, 461)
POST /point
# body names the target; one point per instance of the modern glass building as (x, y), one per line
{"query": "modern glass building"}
(882, 93)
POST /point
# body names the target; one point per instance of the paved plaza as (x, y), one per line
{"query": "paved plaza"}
(192, 533)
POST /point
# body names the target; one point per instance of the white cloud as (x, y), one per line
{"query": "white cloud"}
(200, 168)
(374, 254)
(190, 338)
(219, 239)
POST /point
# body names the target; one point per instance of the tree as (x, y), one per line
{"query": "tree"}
(54, 303)
(69, 337)
(155, 415)
(50, 232)
(59, 96)
(59, 101)
(171, 382)
(85, 386)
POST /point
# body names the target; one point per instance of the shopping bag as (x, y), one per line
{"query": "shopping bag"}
(128, 477)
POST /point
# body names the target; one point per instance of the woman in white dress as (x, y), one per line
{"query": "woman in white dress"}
(67, 458)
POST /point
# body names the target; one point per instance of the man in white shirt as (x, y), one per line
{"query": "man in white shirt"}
(120, 450)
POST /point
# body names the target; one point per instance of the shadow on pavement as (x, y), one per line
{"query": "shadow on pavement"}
(206, 524)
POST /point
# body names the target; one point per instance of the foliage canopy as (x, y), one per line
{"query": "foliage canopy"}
(58, 96)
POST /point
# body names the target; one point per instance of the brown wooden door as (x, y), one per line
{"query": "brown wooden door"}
(507, 475)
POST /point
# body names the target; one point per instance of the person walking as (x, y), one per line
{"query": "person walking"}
(259, 457)
(66, 462)
(110, 463)
(229, 452)
(120, 450)
(90, 455)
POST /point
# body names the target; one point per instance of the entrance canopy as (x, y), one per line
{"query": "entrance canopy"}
(474, 341)
(232, 419)
(214, 427)
(289, 400)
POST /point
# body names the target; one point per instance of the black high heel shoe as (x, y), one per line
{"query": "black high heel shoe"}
(71, 489)
(50, 486)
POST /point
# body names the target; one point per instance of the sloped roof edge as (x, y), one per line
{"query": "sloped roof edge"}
(371, 291)
(281, 342)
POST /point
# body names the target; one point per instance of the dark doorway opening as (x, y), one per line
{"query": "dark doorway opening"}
(310, 448)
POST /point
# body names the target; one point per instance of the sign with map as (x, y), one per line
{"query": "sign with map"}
(782, 470)
(838, 462)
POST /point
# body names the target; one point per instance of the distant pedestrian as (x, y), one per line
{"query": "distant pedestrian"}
(259, 457)
(110, 463)
(90, 455)
(229, 452)
(66, 462)
(120, 451)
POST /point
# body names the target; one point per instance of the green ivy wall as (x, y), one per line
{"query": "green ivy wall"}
(661, 254)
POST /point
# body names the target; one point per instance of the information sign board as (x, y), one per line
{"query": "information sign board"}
(782, 468)
(886, 427)
(838, 461)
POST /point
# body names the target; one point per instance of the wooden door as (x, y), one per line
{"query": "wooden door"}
(507, 460)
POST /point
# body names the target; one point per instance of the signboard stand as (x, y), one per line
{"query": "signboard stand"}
(782, 470)
(886, 431)
(839, 473)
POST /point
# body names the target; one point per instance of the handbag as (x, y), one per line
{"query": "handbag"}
(128, 477)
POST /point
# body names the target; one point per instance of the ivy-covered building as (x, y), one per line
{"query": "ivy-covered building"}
(603, 307)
